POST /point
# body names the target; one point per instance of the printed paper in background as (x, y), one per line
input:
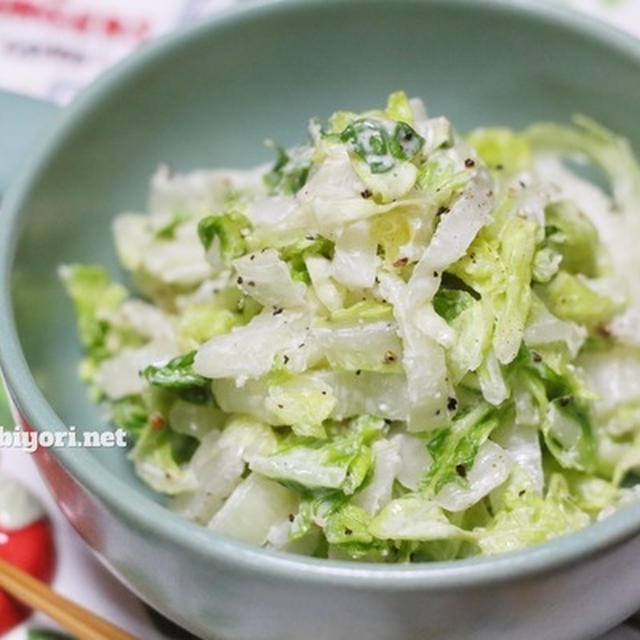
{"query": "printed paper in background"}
(51, 48)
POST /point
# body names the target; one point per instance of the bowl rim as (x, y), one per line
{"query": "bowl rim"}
(147, 516)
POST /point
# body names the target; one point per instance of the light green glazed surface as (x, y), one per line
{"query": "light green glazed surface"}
(209, 97)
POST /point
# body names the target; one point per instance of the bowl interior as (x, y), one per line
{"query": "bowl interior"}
(210, 99)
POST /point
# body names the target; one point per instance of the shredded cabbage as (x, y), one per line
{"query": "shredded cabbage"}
(392, 344)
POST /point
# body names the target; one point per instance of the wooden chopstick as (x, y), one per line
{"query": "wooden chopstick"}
(75, 619)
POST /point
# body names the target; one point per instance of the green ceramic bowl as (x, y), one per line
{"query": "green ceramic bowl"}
(210, 96)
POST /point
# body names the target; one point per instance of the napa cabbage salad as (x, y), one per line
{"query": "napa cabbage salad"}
(394, 343)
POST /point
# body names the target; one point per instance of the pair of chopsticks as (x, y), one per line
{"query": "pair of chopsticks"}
(75, 619)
